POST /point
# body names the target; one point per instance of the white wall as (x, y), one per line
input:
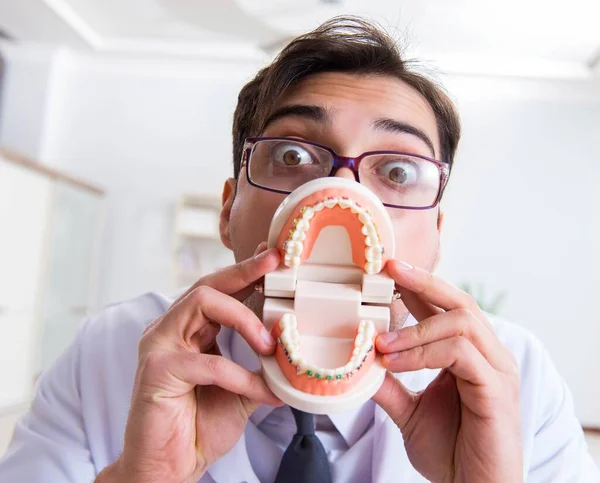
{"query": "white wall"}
(520, 210)
(522, 214)
(147, 132)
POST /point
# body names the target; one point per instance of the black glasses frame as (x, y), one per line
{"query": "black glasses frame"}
(352, 163)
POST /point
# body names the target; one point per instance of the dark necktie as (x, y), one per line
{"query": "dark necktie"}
(304, 460)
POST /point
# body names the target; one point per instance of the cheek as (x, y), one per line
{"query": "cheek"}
(417, 237)
(250, 219)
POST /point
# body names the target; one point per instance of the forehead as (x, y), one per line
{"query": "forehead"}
(358, 98)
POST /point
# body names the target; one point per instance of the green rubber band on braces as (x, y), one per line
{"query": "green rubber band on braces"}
(338, 376)
(318, 376)
(329, 378)
(309, 373)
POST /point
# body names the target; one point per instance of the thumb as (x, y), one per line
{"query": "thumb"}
(396, 400)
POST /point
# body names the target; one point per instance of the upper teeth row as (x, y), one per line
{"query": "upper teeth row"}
(290, 339)
(373, 248)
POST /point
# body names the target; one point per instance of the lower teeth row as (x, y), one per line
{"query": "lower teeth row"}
(289, 340)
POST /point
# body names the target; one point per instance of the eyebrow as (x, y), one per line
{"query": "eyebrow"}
(321, 115)
(314, 113)
(393, 126)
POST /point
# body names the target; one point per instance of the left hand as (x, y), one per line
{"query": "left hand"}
(466, 425)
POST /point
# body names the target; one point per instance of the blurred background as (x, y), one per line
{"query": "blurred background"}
(115, 121)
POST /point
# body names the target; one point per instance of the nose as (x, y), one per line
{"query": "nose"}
(345, 173)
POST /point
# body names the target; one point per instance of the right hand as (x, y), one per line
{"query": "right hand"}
(190, 405)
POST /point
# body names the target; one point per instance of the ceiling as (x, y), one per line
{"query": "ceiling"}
(527, 36)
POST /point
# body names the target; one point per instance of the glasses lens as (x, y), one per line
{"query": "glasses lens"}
(401, 180)
(286, 164)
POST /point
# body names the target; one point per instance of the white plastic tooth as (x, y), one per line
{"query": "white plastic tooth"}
(359, 339)
(356, 351)
(330, 202)
(295, 262)
(372, 254)
(302, 225)
(319, 206)
(298, 235)
(356, 209)
(294, 248)
(293, 353)
(379, 251)
(345, 203)
(308, 213)
(370, 230)
(370, 268)
(364, 218)
(348, 367)
(338, 371)
(328, 372)
(288, 260)
(370, 241)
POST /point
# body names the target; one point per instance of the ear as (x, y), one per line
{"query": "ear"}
(224, 219)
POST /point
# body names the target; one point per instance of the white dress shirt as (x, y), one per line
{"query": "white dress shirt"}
(77, 420)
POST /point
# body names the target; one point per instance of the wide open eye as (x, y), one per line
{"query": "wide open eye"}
(291, 154)
(399, 172)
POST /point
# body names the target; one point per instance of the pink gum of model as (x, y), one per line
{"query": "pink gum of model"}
(332, 216)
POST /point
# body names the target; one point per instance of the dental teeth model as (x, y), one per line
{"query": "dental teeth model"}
(374, 250)
(290, 340)
(329, 298)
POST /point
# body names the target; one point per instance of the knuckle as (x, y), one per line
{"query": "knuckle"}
(200, 294)
(420, 331)
(243, 270)
(419, 353)
(464, 320)
(214, 365)
(469, 302)
(460, 345)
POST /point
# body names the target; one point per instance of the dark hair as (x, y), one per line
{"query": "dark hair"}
(342, 44)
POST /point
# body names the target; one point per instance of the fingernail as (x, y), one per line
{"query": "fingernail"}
(392, 356)
(388, 337)
(404, 266)
(268, 338)
(260, 248)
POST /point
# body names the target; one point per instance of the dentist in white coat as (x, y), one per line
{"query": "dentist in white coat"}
(162, 390)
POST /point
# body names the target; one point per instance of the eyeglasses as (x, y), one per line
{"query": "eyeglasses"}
(400, 180)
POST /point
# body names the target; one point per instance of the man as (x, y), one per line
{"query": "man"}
(155, 390)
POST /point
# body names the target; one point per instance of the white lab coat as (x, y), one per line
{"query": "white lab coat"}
(76, 423)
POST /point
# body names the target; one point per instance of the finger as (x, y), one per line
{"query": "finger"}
(179, 372)
(262, 246)
(396, 400)
(430, 289)
(237, 280)
(456, 323)
(457, 354)
(206, 305)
